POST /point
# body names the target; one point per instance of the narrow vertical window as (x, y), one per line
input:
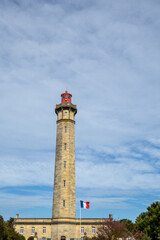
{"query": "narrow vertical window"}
(64, 203)
(33, 230)
(64, 183)
(21, 230)
(93, 230)
(44, 230)
(65, 129)
(82, 229)
(65, 114)
(64, 164)
(65, 146)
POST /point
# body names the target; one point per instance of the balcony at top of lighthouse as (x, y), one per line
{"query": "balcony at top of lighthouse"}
(66, 110)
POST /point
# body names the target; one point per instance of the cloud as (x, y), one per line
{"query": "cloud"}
(15, 201)
(127, 167)
(16, 171)
(125, 174)
(107, 56)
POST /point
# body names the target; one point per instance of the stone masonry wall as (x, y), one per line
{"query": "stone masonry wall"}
(64, 178)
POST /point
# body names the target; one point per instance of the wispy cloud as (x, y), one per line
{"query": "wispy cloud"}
(15, 201)
(107, 55)
(119, 172)
(23, 171)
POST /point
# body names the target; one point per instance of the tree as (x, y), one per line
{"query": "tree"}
(149, 222)
(112, 230)
(31, 238)
(7, 231)
(131, 227)
(133, 231)
(3, 235)
(140, 236)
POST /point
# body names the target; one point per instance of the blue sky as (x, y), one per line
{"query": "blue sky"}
(107, 54)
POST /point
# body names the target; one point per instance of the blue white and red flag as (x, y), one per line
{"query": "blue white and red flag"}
(84, 204)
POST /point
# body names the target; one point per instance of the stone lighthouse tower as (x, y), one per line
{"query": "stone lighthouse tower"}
(64, 175)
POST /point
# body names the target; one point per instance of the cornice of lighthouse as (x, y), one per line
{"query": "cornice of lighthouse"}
(63, 106)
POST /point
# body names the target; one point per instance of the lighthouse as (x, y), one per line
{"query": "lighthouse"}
(63, 225)
(64, 173)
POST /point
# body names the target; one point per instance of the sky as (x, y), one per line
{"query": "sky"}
(107, 55)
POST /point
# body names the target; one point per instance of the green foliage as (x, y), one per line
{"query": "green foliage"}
(10, 223)
(140, 236)
(112, 230)
(31, 238)
(149, 222)
(3, 235)
(129, 225)
(22, 237)
(7, 231)
(145, 237)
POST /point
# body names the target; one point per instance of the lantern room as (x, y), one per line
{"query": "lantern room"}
(66, 97)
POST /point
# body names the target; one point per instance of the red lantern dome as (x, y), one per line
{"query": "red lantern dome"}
(66, 97)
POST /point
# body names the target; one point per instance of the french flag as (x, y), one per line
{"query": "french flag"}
(84, 204)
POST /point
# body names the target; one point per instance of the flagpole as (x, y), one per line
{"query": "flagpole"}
(80, 220)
